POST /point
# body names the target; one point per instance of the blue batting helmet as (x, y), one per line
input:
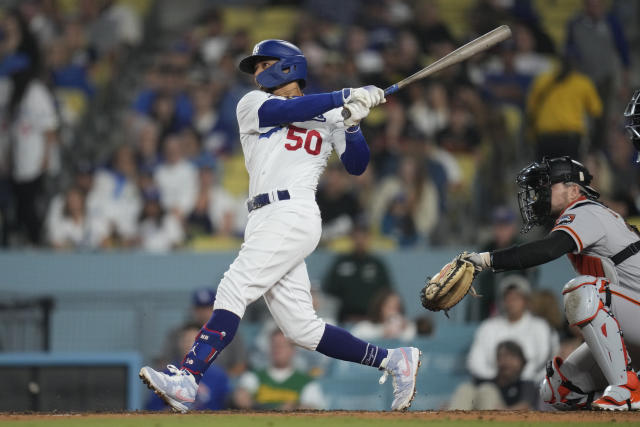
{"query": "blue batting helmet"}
(291, 65)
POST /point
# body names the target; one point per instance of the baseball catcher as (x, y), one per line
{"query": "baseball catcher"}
(603, 300)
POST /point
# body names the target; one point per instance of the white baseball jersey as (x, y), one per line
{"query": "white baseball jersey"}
(600, 233)
(286, 157)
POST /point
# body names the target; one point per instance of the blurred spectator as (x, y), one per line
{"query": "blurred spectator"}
(504, 234)
(74, 229)
(429, 27)
(506, 391)
(406, 203)
(73, 87)
(486, 15)
(216, 211)
(556, 108)
(165, 100)
(596, 39)
(428, 112)
(177, 179)
(82, 180)
(386, 319)
(214, 389)
(210, 122)
(233, 360)
(211, 37)
(29, 122)
(398, 223)
(543, 304)
(624, 169)
(114, 25)
(279, 386)
(359, 49)
(424, 326)
(40, 16)
(337, 201)
(159, 231)
(354, 278)
(529, 59)
(507, 85)
(598, 165)
(146, 134)
(115, 198)
(538, 340)
(461, 135)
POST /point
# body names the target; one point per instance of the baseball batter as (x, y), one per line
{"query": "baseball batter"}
(286, 139)
(604, 300)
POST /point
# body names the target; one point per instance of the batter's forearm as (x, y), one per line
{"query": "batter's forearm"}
(535, 253)
(275, 112)
(356, 154)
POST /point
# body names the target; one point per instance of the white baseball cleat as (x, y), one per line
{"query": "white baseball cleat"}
(620, 397)
(402, 363)
(178, 388)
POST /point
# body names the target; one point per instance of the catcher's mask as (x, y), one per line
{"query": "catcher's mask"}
(632, 121)
(535, 181)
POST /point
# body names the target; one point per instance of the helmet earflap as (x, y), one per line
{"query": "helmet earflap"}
(291, 64)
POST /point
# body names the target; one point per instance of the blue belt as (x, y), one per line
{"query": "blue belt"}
(263, 199)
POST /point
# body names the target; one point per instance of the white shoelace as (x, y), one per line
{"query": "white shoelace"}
(175, 371)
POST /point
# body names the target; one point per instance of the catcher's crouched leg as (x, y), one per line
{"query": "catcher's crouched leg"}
(584, 307)
(559, 391)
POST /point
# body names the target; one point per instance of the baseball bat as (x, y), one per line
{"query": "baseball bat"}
(466, 51)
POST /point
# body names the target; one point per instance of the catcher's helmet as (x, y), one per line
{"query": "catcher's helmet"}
(535, 181)
(632, 121)
(292, 64)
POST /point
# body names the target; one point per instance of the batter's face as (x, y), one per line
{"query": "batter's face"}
(263, 65)
(562, 195)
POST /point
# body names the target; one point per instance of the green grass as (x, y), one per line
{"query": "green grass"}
(281, 420)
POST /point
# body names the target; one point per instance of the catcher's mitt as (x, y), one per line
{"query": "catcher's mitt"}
(450, 285)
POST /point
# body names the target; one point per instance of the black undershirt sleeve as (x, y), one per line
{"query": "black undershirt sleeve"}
(535, 253)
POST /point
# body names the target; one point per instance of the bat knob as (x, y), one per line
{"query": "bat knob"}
(346, 113)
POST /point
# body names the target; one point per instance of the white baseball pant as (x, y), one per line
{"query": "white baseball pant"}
(278, 238)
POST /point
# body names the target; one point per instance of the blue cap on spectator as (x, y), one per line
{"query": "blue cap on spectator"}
(503, 215)
(203, 297)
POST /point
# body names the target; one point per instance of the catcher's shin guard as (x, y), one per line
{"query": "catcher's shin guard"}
(557, 390)
(601, 331)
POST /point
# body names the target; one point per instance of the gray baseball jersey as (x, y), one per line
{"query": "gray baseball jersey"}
(599, 234)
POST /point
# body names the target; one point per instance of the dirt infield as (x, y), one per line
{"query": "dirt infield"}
(534, 417)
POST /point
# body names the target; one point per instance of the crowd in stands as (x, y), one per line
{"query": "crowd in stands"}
(444, 151)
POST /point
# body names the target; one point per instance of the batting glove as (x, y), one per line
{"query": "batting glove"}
(369, 96)
(358, 112)
(481, 260)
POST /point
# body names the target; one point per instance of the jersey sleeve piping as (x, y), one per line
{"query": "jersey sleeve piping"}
(572, 233)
